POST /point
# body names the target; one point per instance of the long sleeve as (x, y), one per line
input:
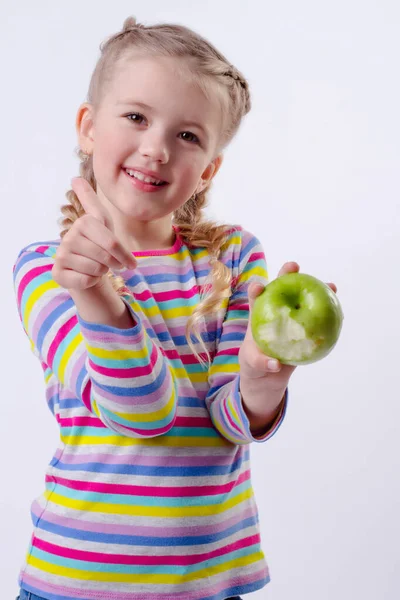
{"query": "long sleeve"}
(120, 375)
(224, 400)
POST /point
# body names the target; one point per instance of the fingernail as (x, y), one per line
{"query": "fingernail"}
(273, 365)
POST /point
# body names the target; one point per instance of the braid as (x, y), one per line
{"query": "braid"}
(196, 232)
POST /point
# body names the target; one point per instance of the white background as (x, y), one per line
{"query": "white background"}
(314, 173)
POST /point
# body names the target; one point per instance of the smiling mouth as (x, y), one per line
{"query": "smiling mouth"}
(144, 178)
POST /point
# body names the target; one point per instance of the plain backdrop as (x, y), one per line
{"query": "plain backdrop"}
(314, 173)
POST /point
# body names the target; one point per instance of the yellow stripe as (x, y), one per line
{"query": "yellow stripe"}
(221, 430)
(170, 313)
(96, 409)
(160, 440)
(253, 271)
(198, 377)
(118, 354)
(232, 241)
(224, 368)
(35, 296)
(233, 412)
(138, 578)
(165, 512)
(153, 416)
(66, 355)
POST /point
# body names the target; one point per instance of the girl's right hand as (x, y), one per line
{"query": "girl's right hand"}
(89, 249)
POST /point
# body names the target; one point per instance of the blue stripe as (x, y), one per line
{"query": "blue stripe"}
(137, 540)
(143, 390)
(144, 471)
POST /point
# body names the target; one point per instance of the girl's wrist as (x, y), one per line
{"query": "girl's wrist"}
(101, 304)
(261, 404)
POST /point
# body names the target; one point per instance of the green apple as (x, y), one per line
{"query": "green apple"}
(296, 319)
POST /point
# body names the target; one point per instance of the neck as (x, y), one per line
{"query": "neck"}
(155, 235)
(139, 235)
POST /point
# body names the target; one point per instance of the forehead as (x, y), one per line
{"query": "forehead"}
(163, 82)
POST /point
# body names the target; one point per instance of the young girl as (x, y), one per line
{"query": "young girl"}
(139, 316)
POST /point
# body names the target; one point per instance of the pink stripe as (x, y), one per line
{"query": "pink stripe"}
(29, 277)
(229, 352)
(42, 249)
(150, 398)
(94, 422)
(159, 491)
(190, 359)
(128, 373)
(235, 307)
(121, 559)
(59, 338)
(87, 395)
(256, 256)
(88, 421)
(165, 296)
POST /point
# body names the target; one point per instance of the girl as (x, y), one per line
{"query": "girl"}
(139, 317)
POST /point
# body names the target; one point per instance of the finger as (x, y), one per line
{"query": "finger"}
(90, 201)
(333, 287)
(82, 246)
(259, 362)
(83, 265)
(254, 290)
(73, 280)
(289, 267)
(98, 233)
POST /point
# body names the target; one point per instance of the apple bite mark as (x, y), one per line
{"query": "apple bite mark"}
(286, 337)
(297, 319)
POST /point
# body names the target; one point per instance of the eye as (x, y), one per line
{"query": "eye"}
(190, 138)
(138, 120)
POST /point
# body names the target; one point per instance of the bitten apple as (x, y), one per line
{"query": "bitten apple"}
(296, 319)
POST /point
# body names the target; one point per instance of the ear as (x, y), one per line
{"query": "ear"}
(84, 127)
(209, 173)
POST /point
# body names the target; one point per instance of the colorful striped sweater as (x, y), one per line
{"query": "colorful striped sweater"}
(149, 493)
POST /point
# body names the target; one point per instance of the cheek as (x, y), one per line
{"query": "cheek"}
(192, 169)
(111, 145)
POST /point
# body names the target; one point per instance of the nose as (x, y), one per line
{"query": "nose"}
(154, 146)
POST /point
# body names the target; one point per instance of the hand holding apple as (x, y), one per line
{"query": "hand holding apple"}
(297, 319)
(263, 379)
(254, 363)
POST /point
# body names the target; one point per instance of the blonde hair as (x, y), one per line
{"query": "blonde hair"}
(206, 65)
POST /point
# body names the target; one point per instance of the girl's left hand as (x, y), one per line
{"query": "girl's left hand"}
(254, 364)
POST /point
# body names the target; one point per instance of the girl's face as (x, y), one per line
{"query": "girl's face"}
(151, 119)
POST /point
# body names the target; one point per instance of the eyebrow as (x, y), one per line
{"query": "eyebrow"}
(147, 107)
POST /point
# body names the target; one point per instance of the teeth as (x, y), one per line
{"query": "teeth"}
(142, 177)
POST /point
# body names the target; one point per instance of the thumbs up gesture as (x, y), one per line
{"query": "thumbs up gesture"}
(90, 248)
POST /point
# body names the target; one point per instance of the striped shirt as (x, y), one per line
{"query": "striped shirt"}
(149, 493)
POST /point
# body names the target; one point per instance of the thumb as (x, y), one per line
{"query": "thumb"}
(90, 202)
(254, 290)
